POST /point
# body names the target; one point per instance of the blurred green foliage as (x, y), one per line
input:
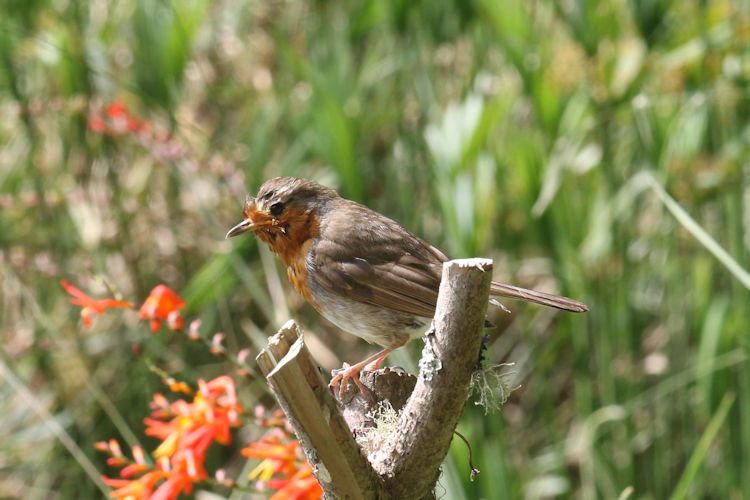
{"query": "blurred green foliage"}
(536, 133)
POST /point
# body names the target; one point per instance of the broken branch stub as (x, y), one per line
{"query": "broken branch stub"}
(338, 463)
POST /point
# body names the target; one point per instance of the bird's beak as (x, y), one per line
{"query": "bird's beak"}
(244, 226)
(249, 212)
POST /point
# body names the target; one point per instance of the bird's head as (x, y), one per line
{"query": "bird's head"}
(286, 211)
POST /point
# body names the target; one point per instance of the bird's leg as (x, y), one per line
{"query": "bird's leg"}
(352, 372)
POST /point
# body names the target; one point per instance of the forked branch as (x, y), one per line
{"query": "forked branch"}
(407, 463)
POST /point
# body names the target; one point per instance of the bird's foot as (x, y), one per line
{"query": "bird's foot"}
(352, 372)
(347, 373)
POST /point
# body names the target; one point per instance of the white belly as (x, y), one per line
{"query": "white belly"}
(375, 324)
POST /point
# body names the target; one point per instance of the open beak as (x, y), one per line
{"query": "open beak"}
(242, 227)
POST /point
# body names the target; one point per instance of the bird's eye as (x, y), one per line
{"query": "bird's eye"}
(277, 208)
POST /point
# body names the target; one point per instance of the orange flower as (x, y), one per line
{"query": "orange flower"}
(179, 479)
(91, 306)
(278, 457)
(185, 471)
(173, 486)
(301, 486)
(293, 481)
(117, 120)
(163, 304)
(194, 426)
(186, 429)
(132, 489)
(122, 119)
(116, 109)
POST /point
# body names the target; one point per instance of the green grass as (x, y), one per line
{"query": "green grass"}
(595, 149)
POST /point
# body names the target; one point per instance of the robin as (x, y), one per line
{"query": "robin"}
(362, 271)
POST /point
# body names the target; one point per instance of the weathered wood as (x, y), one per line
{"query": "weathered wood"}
(391, 387)
(409, 461)
(337, 461)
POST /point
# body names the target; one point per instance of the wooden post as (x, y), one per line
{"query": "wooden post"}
(337, 461)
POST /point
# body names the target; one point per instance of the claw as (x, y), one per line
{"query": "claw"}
(348, 373)
(352, 372)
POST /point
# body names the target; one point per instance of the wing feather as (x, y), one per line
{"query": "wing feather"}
(382, 264)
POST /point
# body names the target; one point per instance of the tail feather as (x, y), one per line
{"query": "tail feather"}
(546, 299)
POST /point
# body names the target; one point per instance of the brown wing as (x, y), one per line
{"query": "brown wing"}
(372, 259)
(369, 258)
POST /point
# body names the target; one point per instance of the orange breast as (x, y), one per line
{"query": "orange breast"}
(292, 244)
(296, 270)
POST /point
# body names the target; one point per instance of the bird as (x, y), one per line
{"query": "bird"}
(361, 270)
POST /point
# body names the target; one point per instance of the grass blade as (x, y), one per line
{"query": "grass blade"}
(699, 233)
(701, 449)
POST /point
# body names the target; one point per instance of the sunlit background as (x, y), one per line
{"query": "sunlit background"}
(599, 150)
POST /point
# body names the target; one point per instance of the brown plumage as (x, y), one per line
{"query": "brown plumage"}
(361, 270)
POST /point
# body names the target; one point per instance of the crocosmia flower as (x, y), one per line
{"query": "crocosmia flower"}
(90, 305)
(163, 304)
